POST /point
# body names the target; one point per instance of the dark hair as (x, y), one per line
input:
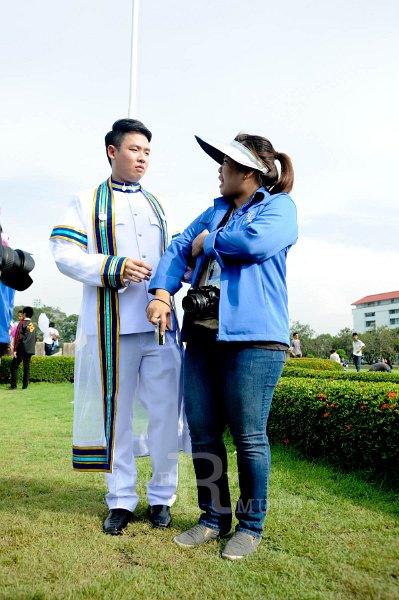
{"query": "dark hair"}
(51, 324)
(354, 333)
(264, 151)
(295, 333)
(333, 350)
(120, 128)
(28, 311)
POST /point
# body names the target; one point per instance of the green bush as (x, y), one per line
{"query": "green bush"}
(43, 368)
(351, 424)
(321, 364)
(373, 376)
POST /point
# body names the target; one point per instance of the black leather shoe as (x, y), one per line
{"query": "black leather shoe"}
(160, 516)
(117, 520)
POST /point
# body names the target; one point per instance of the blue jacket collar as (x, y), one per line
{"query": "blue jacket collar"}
(259, 197)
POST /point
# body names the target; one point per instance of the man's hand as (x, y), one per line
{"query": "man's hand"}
(198, 244)
(136, 270)
(159, 310)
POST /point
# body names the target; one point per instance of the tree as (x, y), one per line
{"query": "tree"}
(322, 345)
(380, 343)
(343, 340)
(68, 328)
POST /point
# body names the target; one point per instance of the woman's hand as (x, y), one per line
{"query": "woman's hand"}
(159, 310)
(198, 244)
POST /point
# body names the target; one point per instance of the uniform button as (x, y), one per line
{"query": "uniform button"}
(139, 234)
(135, 214)
(144, 256)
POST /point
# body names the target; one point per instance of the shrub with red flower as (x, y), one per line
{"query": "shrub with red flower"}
(392, 394)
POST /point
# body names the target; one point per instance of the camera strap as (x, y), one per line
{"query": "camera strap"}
(226, 217)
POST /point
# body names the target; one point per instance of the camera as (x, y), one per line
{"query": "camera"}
(15, 266)
(202, 302)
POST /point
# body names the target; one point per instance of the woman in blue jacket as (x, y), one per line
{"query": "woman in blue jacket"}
(237, 330)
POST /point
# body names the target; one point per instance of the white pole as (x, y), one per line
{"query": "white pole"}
(133, 62)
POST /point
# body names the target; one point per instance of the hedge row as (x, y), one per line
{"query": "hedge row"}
(373, 376)
(324, 364)
(351, 424)
(54, 369)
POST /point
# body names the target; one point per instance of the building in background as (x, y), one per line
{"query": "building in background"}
(378, 310)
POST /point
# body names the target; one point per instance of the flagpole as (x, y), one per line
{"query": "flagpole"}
(132, 111)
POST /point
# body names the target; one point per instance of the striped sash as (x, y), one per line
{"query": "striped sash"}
(103, 215)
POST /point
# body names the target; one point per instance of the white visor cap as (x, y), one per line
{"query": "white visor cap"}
(234, 150)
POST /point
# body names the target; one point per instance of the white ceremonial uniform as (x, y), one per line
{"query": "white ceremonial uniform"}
(151, 373)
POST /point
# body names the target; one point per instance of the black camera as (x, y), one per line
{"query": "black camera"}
(15, 266)
(202, 302)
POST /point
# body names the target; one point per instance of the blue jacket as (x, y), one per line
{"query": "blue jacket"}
(251, 250)
(6, 307)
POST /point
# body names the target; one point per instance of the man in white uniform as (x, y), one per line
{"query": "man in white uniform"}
(111, 240)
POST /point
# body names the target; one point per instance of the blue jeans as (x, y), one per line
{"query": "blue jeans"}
(357, 361)
(228, 384)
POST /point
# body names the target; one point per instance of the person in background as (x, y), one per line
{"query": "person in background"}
(6, 307)
(357, 351)
(51, 339)
(382, 365)
(111, 240)
(24, 348)
(296, 346)
(14, 328)
(335, 356)
(237, 331)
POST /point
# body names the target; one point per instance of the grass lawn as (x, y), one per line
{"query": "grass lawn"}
(327, 535)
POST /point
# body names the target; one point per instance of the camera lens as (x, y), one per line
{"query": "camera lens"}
(14, 268)
(193, 303)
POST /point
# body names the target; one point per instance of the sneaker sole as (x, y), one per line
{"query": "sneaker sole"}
(229, 557)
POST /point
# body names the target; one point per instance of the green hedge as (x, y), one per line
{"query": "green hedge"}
(373, 376)
(43, 368)
(351, 424)
(323, 364)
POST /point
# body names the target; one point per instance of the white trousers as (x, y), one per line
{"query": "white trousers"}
(152, 373)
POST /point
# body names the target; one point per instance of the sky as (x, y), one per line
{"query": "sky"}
(319, 78)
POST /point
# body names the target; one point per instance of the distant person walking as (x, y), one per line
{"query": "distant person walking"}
(24, 348)
(51, 339)
(296, 346)
(357, 351)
